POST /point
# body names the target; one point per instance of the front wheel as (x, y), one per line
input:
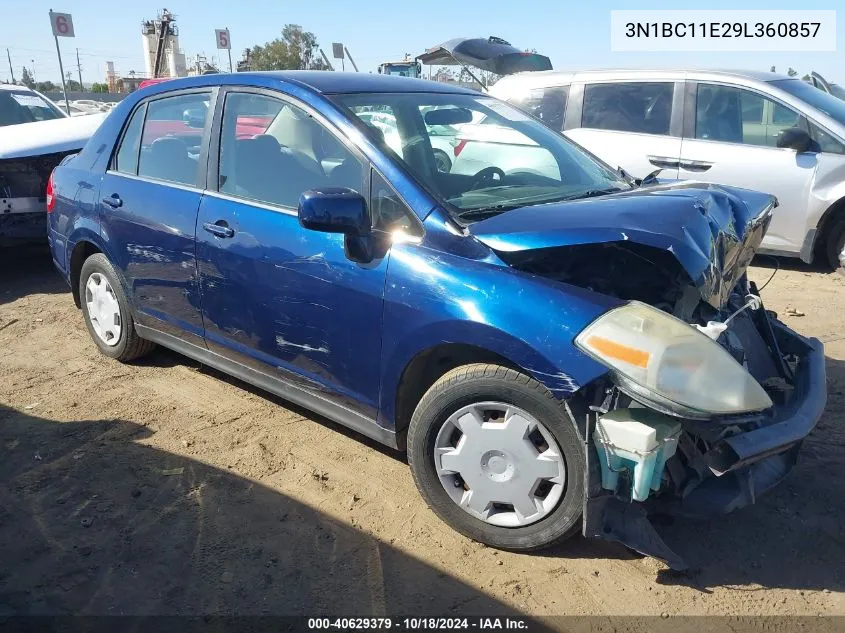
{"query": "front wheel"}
(835, 245)
(496, 457)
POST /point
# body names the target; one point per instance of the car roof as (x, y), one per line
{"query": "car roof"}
(14, 87)
(322, 81)
(543, 77)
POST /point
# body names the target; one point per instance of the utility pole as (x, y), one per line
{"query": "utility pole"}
(11, 70)
(354, 65)
(79, 68)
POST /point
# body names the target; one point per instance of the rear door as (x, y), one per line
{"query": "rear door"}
(635, 125)
(150, 196)
(730, 137)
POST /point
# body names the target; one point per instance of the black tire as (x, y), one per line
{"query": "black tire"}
(442, 161)
(484, 382)
(835, 242)
(129, 345)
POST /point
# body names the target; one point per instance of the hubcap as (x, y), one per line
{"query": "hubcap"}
(103, 309)
(499, 464)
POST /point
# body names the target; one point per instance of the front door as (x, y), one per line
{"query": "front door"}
(150, 197)
(732, 140)
(276, 297)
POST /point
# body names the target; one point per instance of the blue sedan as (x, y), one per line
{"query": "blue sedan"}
(556, 352)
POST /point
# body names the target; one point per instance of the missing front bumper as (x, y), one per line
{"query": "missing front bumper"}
(732, 474)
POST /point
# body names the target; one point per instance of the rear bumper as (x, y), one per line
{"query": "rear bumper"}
(19, 226)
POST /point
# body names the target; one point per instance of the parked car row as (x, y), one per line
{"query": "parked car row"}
(81, 107)
(557, 346)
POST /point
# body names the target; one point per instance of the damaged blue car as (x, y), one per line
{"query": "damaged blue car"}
(557, 352)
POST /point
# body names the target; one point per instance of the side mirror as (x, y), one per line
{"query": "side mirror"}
(797, 139)
(334, 210)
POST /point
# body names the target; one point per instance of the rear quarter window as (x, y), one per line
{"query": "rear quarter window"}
(641, 107)
(548, 105)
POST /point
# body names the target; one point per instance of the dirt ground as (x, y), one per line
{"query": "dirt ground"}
(167, 488)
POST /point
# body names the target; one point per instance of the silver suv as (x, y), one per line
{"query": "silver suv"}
(757, 130)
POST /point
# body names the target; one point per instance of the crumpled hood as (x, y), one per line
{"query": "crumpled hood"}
(48, 137)
(712, 230)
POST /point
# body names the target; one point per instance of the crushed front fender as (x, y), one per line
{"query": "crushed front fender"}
(712, 478)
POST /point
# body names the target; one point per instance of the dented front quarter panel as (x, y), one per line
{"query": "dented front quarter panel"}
(452, 289)
(713, 231)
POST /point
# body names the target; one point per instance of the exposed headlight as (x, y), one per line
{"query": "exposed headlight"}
(670, 364)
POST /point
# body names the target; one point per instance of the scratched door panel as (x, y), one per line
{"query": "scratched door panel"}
(287, 301)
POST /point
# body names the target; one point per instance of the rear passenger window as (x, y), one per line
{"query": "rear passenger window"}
(548, 105)
(271, 151)
(640, 107)
(172, 138)
(126, 159)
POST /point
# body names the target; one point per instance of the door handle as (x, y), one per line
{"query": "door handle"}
(219, 229)
(664, 162)
(695, 165)
(113, 201)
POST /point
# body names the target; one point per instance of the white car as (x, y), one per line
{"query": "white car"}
(756, 130)
(36, 136)
(442, 137)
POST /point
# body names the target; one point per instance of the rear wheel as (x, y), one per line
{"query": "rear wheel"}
(106, 311)
(497, 458)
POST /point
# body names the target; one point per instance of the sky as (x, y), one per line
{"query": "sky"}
(575, 35)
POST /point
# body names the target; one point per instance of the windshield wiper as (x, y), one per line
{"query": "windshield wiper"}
(593, 193)
(482, 212)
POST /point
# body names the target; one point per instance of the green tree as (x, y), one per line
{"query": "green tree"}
(26, 78)
(295, 50)
(46, 86)
(807, 77)
(99, 87)
(73, 85)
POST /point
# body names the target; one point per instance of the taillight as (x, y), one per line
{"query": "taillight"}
(459, 147)
(51, 199)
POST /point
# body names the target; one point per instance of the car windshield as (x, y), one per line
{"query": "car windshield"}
(819, 99)
(496, 157)
(23, 106)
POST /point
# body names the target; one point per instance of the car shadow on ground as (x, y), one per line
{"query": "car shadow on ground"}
(93, 521)
(790, 539)
(26, 270)
(773, 262)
